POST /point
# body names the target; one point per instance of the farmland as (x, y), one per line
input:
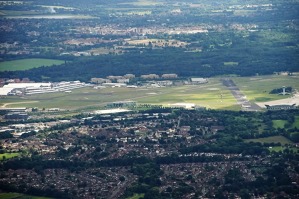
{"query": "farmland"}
(25, 64)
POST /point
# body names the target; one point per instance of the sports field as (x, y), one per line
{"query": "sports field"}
(25, 64)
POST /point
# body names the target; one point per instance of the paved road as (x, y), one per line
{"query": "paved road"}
(240, 97)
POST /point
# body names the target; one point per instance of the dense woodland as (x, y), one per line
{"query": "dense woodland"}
(205, 64)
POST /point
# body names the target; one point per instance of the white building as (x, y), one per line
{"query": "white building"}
(199, 80)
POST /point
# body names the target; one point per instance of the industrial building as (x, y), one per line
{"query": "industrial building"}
(39, 88)
(281, 107)
(16, 116)
(199, 81)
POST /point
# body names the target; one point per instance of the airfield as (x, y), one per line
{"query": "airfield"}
(212, 95)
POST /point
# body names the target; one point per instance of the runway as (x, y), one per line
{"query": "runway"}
(239, 96)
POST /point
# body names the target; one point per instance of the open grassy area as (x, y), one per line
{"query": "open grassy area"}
(273, 139)
(257, 88)
(282, 148)
(25, 64)
(20, 196)
(279, 123)
(136, 196)
(5, 156)
(207, 95)
(296, 123)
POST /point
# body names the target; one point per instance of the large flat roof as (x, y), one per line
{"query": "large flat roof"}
(109, 111)
(5, 91)
(25, 85)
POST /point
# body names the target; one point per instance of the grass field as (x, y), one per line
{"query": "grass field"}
(296, 123)
(279, 123)
(273, 139)
(25, 64)
(282, 148)
(19, 196)
(136, 196)
(257, 88)
(207, 95)
(203, 95)
(8, 155)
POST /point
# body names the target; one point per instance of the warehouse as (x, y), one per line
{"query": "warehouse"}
(199, 81)
(40, 88)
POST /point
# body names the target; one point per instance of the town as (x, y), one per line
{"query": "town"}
(149, 99)
(100, 155)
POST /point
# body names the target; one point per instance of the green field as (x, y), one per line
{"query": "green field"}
(25, 64)
(279, 123)
(257, 88)
(296, 123)
(273, 139)
(20, 196)
(8, 155)
(136, 196)
(207, 95)
(282, 148)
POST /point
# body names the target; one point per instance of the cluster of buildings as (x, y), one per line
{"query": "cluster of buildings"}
(104, 182)
(14, 113)
(107, 137)
(148, 80)
(126, 78)
(40, 88)
(200, 176)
